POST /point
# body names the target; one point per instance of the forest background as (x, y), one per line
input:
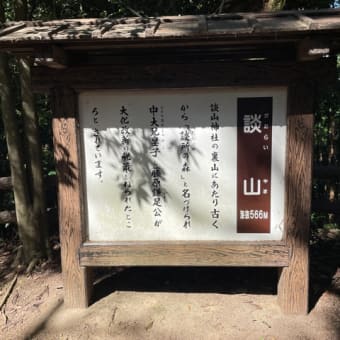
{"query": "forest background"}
(28, 213)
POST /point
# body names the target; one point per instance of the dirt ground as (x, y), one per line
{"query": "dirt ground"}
(167, 303)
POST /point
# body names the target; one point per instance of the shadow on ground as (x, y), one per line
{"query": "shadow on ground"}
(187, 280)
(324, 259)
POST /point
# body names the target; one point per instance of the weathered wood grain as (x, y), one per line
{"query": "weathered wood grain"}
(274, 27)
(76, 278)
(192, 253)
(294, 280)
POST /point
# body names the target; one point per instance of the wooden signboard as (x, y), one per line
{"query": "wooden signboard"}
(183, 141)
(184, 176)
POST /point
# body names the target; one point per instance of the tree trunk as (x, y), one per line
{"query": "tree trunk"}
(33, 148)
(29, 199)
(14, 145)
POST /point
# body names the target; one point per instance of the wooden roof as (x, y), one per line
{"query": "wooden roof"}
(73, 33)
(287, 35)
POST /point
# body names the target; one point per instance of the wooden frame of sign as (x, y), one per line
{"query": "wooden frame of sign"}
(291, 254)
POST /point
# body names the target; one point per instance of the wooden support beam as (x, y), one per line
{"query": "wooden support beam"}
(77, 283)
(194, 253)
(293, 286)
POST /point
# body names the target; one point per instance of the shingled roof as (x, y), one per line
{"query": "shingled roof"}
(249, 26)
(238, 36)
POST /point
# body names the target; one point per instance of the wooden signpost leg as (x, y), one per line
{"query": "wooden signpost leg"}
(77, 281)
(293, 286)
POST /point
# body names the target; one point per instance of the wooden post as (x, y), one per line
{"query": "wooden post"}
(77, 283)
(293, 286)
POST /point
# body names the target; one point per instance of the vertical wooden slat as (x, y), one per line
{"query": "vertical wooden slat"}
(294, 279)
(77, 282)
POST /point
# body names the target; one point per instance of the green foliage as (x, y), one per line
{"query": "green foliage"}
(327, 151)
(326, 127)
(57, 9)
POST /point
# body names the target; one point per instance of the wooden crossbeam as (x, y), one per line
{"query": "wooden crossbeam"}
(195, 253)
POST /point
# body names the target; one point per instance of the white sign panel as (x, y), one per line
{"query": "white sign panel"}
(166, 164)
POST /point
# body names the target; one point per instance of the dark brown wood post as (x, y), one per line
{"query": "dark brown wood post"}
(293, 286)
(77, 283)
